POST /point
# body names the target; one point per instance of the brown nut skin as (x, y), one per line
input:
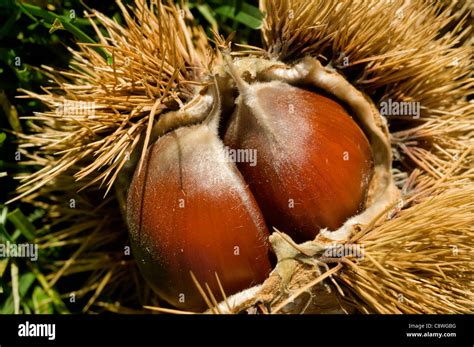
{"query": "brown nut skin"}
(314, 163)
(189, 209)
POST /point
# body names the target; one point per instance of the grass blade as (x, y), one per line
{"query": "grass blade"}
(52, 18)
(53, 295)
(22, 223)
(42, 303)
(18, 291)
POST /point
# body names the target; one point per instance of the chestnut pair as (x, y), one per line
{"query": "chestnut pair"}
(189, 210)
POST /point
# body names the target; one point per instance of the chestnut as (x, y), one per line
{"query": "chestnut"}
(190, 211)
(314, 162)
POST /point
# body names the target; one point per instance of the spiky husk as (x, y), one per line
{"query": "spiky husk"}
(418, 255)
(104, 106)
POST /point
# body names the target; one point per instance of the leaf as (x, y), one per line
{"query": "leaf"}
(206, 12)
(18, 219)
(26, 308)
(3, 214)
(25, 282)
(248, 20)
(3, 137)
(52, 294)
(42, 303)
(3, 267)
(50, 18)
(246, 14)
(252, 11)
(36, 214)
(226, 11)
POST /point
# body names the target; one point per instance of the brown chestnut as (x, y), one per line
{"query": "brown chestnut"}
(189, 210)
(314, 162)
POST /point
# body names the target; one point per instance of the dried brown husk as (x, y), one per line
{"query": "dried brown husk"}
(417, 250)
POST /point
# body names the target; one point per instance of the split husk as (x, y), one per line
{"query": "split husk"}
(417, 248)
